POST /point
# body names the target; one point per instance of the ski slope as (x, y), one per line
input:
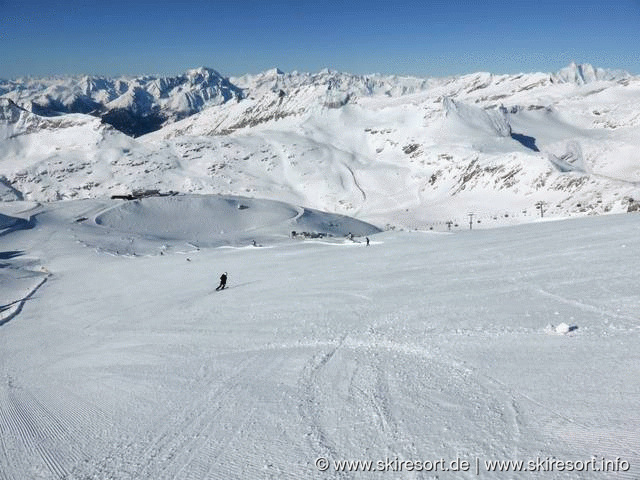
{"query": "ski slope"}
(504, 344)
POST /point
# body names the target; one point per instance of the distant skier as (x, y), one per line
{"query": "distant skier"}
(367, 238)
(223, 282)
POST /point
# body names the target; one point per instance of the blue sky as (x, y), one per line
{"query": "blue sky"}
(424, 38)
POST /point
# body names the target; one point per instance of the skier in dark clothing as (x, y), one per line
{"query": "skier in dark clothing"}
(367, 241)
(223, 281)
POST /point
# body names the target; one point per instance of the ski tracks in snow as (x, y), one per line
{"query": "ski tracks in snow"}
(187, 444)
(31, 433)
(208, 436)
(404, 401)
(311, 390)
(585, 306)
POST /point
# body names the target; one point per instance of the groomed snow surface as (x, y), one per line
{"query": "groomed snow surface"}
(123, 362)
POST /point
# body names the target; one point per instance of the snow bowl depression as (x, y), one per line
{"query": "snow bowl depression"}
(219, 220)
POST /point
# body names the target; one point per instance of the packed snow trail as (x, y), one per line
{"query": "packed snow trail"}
(421, 347)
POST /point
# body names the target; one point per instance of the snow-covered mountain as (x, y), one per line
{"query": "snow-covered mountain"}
(394, 151)
(585, 73)
(133, 105)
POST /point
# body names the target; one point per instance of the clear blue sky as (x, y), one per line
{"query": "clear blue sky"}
(424, 38)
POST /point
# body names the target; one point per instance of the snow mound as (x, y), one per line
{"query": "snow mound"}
(199, 216)
(211, 220)
(561, 329)
(334, 224)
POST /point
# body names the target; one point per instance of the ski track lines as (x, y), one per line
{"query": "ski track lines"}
(370, 376)
(560, 430)
(584, 306)
(311, 388)
(364, 371)
(360, 387)
(364, 387)
(355, 182)
(30, 429)
(200, 442)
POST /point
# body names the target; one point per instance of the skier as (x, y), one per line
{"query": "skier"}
(223, 281)
(367, 241)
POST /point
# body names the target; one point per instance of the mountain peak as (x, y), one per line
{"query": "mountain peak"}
(203, 72)
(273, 72)
(9, 111)
(583, 73)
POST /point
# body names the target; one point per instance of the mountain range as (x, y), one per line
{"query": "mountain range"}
(396, 151)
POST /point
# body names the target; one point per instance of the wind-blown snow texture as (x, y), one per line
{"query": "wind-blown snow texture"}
(118, 360)
(394, 151)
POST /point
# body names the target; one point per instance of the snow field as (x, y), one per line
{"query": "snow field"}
(421, 346)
